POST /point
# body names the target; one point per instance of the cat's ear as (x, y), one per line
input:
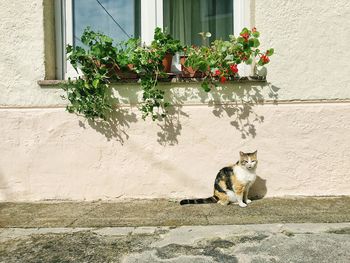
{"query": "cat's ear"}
(255, 153)
(241, 153)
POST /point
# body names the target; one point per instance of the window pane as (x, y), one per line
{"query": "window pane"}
(184, 19)
(119, 19)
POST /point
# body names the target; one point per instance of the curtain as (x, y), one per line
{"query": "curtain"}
(184, 19)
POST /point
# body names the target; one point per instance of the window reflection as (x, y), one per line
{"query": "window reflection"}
(119, 19)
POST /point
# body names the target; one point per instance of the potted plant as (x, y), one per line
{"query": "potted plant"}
(100, 61)
(166, 45)
(124, 69)
(148, 65)
(218, 62)
(188, 71)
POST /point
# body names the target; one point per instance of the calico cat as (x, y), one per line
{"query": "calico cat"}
(232, 183)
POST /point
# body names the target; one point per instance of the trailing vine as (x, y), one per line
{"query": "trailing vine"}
(100, 61)
(89, 94)
(148, 63)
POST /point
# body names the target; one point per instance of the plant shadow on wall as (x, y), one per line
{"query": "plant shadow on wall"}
(171, 126)
(101, 63)
(115, 126)
(238, 104)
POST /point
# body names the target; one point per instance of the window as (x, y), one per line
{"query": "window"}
(185, 19)
(119, 19)
(122, 19)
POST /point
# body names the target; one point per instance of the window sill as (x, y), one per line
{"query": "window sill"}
(171, 79)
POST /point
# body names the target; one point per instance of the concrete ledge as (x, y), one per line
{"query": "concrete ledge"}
(172, 79)
(161, 212)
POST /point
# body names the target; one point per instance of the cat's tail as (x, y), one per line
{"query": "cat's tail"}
(208, 200)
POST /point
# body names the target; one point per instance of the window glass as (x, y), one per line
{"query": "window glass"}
(184, 19)
(119, 19)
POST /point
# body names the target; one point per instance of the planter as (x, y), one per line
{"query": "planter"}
(189, 72)
(127, 73)
(167, 60)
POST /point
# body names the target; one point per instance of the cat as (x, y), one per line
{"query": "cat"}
(232, 183)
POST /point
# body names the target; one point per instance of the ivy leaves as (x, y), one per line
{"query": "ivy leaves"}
(89, 95)
(100, 60)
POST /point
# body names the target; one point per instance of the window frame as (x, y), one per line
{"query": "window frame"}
(151, 17)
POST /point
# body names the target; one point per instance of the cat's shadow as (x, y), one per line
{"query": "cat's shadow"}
(258, 189)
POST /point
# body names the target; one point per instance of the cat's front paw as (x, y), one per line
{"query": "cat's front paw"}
(248, 201)
(242, 204)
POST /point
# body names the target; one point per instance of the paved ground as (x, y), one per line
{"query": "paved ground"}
(163, 231)
(168, 213)
(224, 243)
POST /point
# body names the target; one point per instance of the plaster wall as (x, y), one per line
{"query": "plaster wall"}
(50, 154)
(47, 153)
(22, 61)
(309, 37)
(311, 43)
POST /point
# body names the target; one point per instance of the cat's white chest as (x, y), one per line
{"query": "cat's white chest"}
(244, 175)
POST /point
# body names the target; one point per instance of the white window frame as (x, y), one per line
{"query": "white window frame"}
(151, 17)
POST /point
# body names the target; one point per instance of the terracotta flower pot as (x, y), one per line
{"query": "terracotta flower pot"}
(167, 60)
(189, 72)
(127, 73)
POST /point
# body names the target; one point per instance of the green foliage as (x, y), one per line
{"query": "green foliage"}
(164, 43)
(270, 52)
(100, 60)
(88, 99)
(219, 61)
(148, 64)
(125, 54)
(88, 95)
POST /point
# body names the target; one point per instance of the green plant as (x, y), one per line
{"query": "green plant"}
(219, 61)
(88, 95)
(164, 42)
(148, 64)
(100, 61)
(125, 54)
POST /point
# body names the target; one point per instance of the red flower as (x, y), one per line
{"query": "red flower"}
(265, 59)
(217, 72)
(245, 36)
(234, 68)
(223, 79)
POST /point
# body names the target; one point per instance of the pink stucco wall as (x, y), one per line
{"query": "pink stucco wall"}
(302, 132)
(50, 154)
